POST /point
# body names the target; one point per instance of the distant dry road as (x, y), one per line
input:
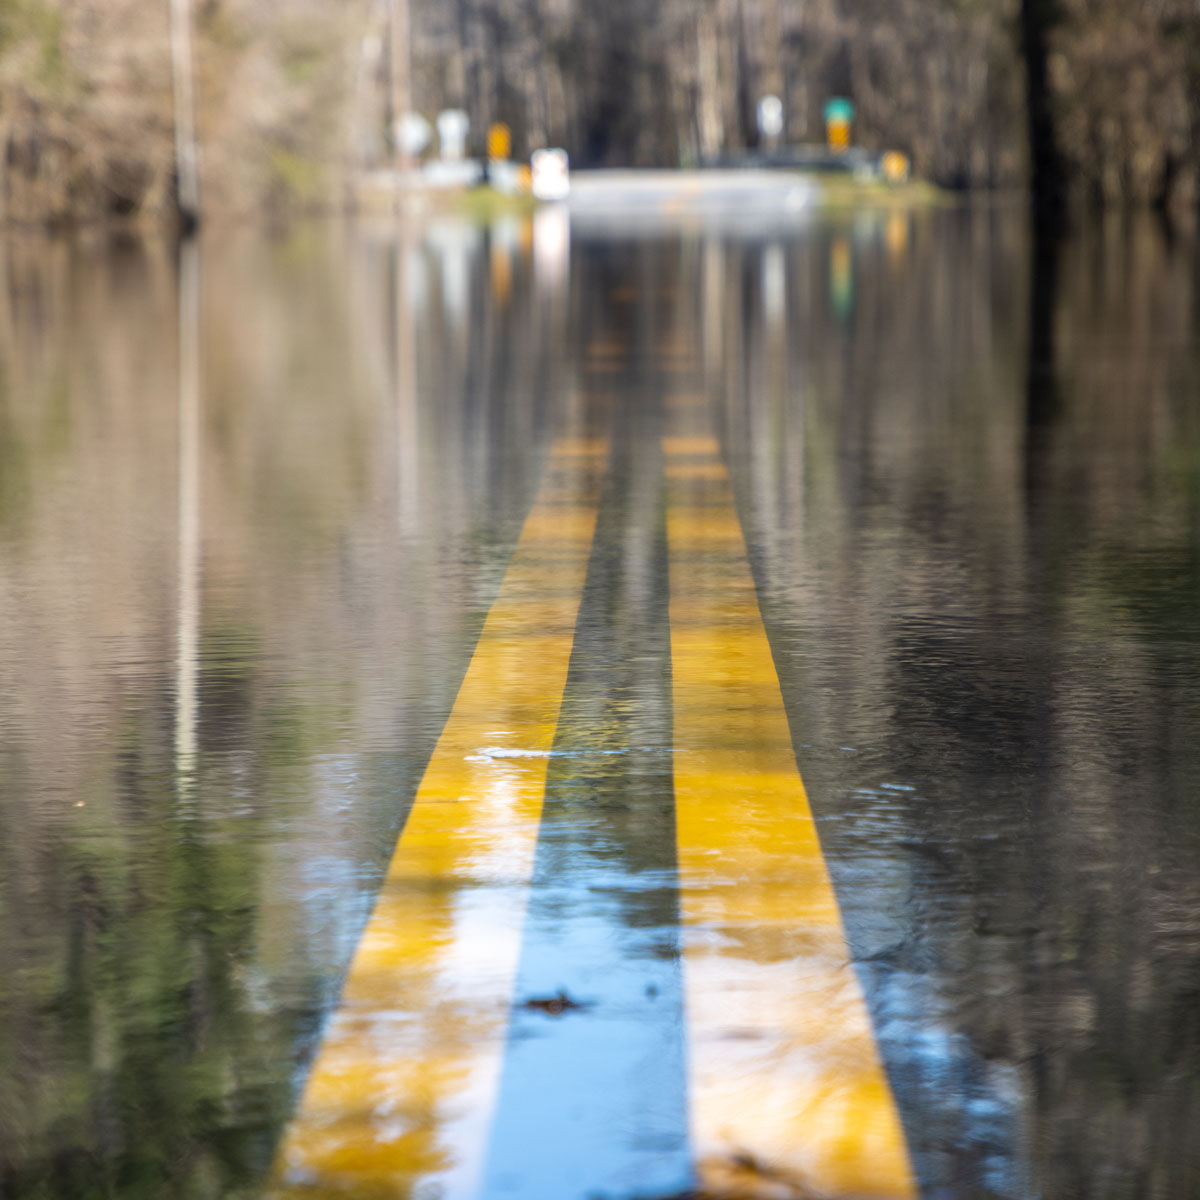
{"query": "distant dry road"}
(628, 195)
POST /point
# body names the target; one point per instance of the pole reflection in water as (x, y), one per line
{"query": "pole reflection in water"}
(406, 292)
(188, 636)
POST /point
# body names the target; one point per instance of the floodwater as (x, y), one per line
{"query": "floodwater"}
(412, 643)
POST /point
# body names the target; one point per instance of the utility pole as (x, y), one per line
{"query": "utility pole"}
(186, 165)
(399, 27)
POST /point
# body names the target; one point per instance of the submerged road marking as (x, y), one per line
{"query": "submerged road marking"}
(400, 1098)
(785, 1083)
(593, 1098)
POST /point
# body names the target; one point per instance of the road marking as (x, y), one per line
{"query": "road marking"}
(400, 1098)
(785, 1083)
(593, 1099)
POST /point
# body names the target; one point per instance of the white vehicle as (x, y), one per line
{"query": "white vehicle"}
(549, 177)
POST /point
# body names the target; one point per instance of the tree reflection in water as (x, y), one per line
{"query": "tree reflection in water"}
(969, 477)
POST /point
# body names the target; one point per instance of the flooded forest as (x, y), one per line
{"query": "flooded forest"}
(1101, 93)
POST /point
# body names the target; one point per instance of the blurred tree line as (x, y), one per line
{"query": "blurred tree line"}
(1095, 96)
(86, 113)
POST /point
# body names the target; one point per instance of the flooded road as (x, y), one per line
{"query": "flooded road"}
(568, 710)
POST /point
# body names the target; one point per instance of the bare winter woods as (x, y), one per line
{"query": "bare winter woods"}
(1098, 96)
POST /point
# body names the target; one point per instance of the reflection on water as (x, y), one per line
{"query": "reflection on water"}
(256, 500)
(239, 590)
(984, 611)
(786, 1083)
(400, 1094)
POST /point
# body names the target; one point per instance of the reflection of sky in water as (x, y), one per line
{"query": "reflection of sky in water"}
(599, 1090)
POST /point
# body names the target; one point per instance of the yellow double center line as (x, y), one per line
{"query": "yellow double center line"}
(787, 1095)
(786, 1091)
(401, 1095)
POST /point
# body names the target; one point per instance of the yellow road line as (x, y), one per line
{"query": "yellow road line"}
(786, 1086)
(400, 1099)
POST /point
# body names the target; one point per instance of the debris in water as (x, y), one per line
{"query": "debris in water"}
(555, 1005)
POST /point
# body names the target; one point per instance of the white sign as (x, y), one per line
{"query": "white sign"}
(413, 134)
(452, 126)
(770, 116)
(548, 175)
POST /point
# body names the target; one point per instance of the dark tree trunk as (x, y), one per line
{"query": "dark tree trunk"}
(1038, 18)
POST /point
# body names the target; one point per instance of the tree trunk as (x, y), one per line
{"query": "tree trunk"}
(1038, 18)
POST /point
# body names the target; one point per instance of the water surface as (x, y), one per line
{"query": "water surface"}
(257, 498)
